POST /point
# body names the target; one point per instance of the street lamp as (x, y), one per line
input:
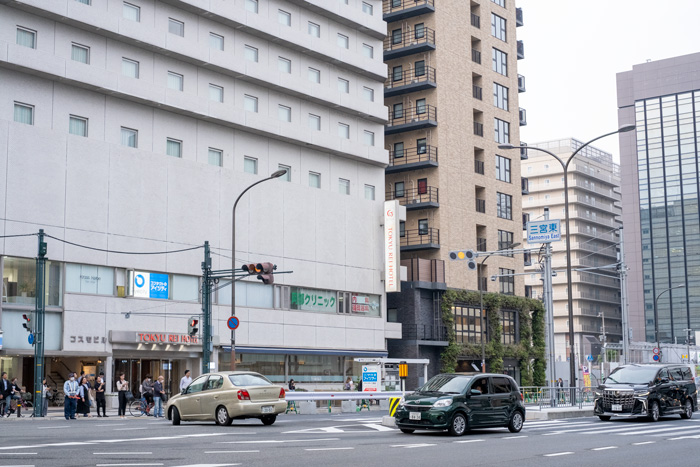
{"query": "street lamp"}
(565, 166)
(481, 305)
(656, 315)
(274, 175)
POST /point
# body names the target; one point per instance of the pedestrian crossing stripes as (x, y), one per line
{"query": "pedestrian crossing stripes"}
(672, 429)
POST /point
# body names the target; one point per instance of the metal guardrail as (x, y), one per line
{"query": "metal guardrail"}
(537, 398)
(340, 396)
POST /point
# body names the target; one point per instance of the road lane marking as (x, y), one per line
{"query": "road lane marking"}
(589, 431)
(688, 432)
(514, 437)
(468, 441)
(112, 424)
(329, 449)
(229, 452)
(604, 448)
(654, 430)
(684, 437)
(278, 441)
(100, 441)
(411, 446)
(554, 427)
(117, 465)
(207, 465)
(18, 453)
(47, 427)
(121, 453)
(643, 442)
(130, 429)
(559, 454)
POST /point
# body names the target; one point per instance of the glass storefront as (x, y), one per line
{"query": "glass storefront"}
(19, 282)
(135, 371)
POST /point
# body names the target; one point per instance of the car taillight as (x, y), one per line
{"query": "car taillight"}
(521, 397)
(243, 395)
(281, 393)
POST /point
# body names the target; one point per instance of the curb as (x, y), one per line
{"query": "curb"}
(388, 420)
(552, 415)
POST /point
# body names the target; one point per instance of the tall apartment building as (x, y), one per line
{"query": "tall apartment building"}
(452, 94)
(132, 126)
(660, 195)
(594, 213)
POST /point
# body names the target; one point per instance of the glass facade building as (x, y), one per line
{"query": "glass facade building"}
(668, 141)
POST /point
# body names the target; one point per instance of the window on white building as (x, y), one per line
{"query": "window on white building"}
(129, 137)
(78, 126)
(250, 103)
(24, 113)
(175, 81)
(250, 165)
(176, 27)
(284, 65)
(251, 5)
(343, 85)
(284, 18)
(368, 94)
(216, 157)
(369, 138)
(173, 147)
(314, 75)
(251, 53)
(216, 41)
(131, 12)
(344, 130)
(26, 38)
(314, 29)
(343, 186)
(314, 180)
(130, 68)
(284, 113)
(369, 192)
(216, 93)
(80, 53)
(314, 122)
(343, 41)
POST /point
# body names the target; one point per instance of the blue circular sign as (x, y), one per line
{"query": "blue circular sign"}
(139, 280)
(30, 339)
(656, 358)
(233, 322)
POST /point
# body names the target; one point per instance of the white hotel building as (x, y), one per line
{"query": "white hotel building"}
(132, 126)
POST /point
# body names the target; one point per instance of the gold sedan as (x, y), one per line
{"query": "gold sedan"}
(228, 395)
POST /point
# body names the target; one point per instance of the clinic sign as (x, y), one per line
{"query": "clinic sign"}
(151, 285)
(544, 231)
(370, 378)
(392, 269)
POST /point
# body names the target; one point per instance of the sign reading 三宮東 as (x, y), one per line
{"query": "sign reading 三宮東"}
(544, 231)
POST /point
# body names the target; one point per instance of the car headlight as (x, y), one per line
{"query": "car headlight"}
(598, 392)
(402, 404)
(641, 392)
(443, 403)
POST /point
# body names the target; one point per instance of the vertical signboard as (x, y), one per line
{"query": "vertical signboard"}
(392, 268)
(370, 378)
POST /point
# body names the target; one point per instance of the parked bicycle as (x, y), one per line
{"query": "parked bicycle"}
(23, 404)
(139, 407)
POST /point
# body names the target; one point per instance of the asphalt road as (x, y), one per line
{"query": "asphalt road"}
(342, 439)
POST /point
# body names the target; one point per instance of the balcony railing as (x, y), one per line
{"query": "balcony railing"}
(523, 116)
(521, 50)
(518, 17)
(476, 91)
(420, 239)
(525, 185)
(481, 244)
(523, 151)
(476, 56)
(480, 205)
(409, 42)
(423, 332)
(478, 129)
(424, 270)
(395, 10)
(521, 83)
(416, 198)
(479, 167)
(412, 158)
(476, 21)
(482, 284)
(411, 118)
(413, 80)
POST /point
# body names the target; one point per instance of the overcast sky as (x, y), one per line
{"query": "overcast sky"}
(573, 50)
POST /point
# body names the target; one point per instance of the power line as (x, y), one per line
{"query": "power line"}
(125, 252)
(19, 235)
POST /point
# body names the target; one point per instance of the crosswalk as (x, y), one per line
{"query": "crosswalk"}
(678, 429)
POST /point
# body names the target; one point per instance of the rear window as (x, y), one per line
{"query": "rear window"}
(249, 380)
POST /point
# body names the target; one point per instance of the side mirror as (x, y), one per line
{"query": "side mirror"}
(474, 392)
(664, 380)
(182, 391)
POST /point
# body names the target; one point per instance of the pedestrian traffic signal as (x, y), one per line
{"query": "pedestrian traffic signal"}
(264, 271)
(27, 324)
(192, 328)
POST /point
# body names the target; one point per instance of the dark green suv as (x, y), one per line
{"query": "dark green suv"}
(458, 402)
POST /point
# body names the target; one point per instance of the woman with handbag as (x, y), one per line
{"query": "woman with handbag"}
(84, 397)
(122, 389)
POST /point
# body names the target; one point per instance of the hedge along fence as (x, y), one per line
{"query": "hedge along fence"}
(529, 351)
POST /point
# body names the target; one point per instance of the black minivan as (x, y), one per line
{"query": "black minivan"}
(458, 402)
(647, 390)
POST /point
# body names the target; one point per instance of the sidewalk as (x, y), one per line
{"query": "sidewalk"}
(56, 413)
(557, 412)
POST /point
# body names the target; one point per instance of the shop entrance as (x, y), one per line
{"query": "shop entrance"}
(135, 371)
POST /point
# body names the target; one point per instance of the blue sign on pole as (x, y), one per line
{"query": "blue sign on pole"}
(30, 339)
(233, 323)
(589, 358)
(544, 231)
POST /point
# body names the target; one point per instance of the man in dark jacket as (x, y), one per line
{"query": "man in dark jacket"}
(5, 392)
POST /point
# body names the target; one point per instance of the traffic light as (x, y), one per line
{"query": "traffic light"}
(468, 255)
(264, 271)
(192, 328)
(27, 324)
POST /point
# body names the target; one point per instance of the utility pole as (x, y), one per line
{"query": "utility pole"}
(40, 307)
(604, 338)
(623, 300)
(207, 283)
(548, 299)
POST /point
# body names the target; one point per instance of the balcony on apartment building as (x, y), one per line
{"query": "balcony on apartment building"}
(481, 244)
(480, 205)
(476, 56)
(402, 43)
(523, 151)
(411, 118)
(425, 270)
(523, 116)
(525, 185)
(521, 83)
(427, 238)
(425, 332)
(422, 157)
(521, 50)
(397, 10)
(423, 197)
(476, 20)
(518, 17)
(479, 167)
(417, 79)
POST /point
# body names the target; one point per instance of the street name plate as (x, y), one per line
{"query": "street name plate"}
(544, 231)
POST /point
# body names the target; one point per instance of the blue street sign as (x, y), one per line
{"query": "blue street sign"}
(233, 323)
(544, 231)
(30, 339)
(589, 358)
(656, 358)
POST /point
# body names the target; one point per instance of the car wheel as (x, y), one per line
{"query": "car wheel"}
(687, 410)
(268, 419)
(459, 425)
(516, 422)
(408, 431)
(654, 413)
(175, 416)
(222, 418)
(605, 418)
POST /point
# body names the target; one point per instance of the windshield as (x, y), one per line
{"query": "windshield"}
(632, 375)
(249, 380)
(446, 384)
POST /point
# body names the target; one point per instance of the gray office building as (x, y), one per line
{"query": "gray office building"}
(660, 195)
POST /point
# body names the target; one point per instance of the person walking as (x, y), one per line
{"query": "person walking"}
(4, 394)
(70, 404)
(45, 392)
(122, 388)
(158, 395)
(100, 397)
(185, 381)
(84, 399)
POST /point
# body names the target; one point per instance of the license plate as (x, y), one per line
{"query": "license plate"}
(414, 415)
(617, 407)
(267, 409)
